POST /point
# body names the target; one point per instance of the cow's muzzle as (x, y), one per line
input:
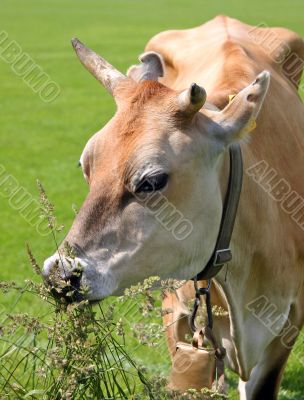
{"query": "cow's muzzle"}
(62, 275)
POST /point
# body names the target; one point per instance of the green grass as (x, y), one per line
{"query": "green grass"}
(40, 140)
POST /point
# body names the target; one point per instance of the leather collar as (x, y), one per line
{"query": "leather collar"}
(222, 253)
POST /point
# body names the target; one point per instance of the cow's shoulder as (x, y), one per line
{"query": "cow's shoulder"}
(229, 42)
(282, 48)
(201, 51)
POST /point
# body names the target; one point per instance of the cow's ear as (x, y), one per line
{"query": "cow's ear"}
(151, 67)
(238, 117)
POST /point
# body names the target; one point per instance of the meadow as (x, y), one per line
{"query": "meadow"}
(41, 140)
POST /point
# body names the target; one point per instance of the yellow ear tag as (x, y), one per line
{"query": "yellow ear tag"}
(231, 97)
(252, 125)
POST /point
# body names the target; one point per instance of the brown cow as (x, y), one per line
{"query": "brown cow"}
(167, 143)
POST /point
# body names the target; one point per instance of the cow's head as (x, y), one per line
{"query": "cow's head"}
(154, 202)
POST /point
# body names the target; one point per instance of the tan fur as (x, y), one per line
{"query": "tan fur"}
(222, 58)
(116, 238)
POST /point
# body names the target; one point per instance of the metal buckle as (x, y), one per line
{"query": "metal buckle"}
(222, 256)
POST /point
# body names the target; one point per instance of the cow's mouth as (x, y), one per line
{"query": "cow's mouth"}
(68, 290)
(77, 279)
(67, 295)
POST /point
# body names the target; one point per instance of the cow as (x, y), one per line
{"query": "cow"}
(169, 141)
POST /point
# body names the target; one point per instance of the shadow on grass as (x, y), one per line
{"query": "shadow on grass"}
(293, 381)
(292, 387)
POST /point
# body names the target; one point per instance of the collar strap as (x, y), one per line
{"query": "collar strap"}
(222, 253)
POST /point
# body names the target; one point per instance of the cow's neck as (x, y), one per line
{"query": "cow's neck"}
(251, 269)
(239, 284)
(248, 275)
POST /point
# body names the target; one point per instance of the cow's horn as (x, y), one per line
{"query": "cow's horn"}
(103, 71)
(192, 99)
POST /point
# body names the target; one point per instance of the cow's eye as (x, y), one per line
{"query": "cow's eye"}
(152, 183)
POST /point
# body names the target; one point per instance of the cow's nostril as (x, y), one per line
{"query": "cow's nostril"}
(63, 277)
(75, 279)
(69, 288)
